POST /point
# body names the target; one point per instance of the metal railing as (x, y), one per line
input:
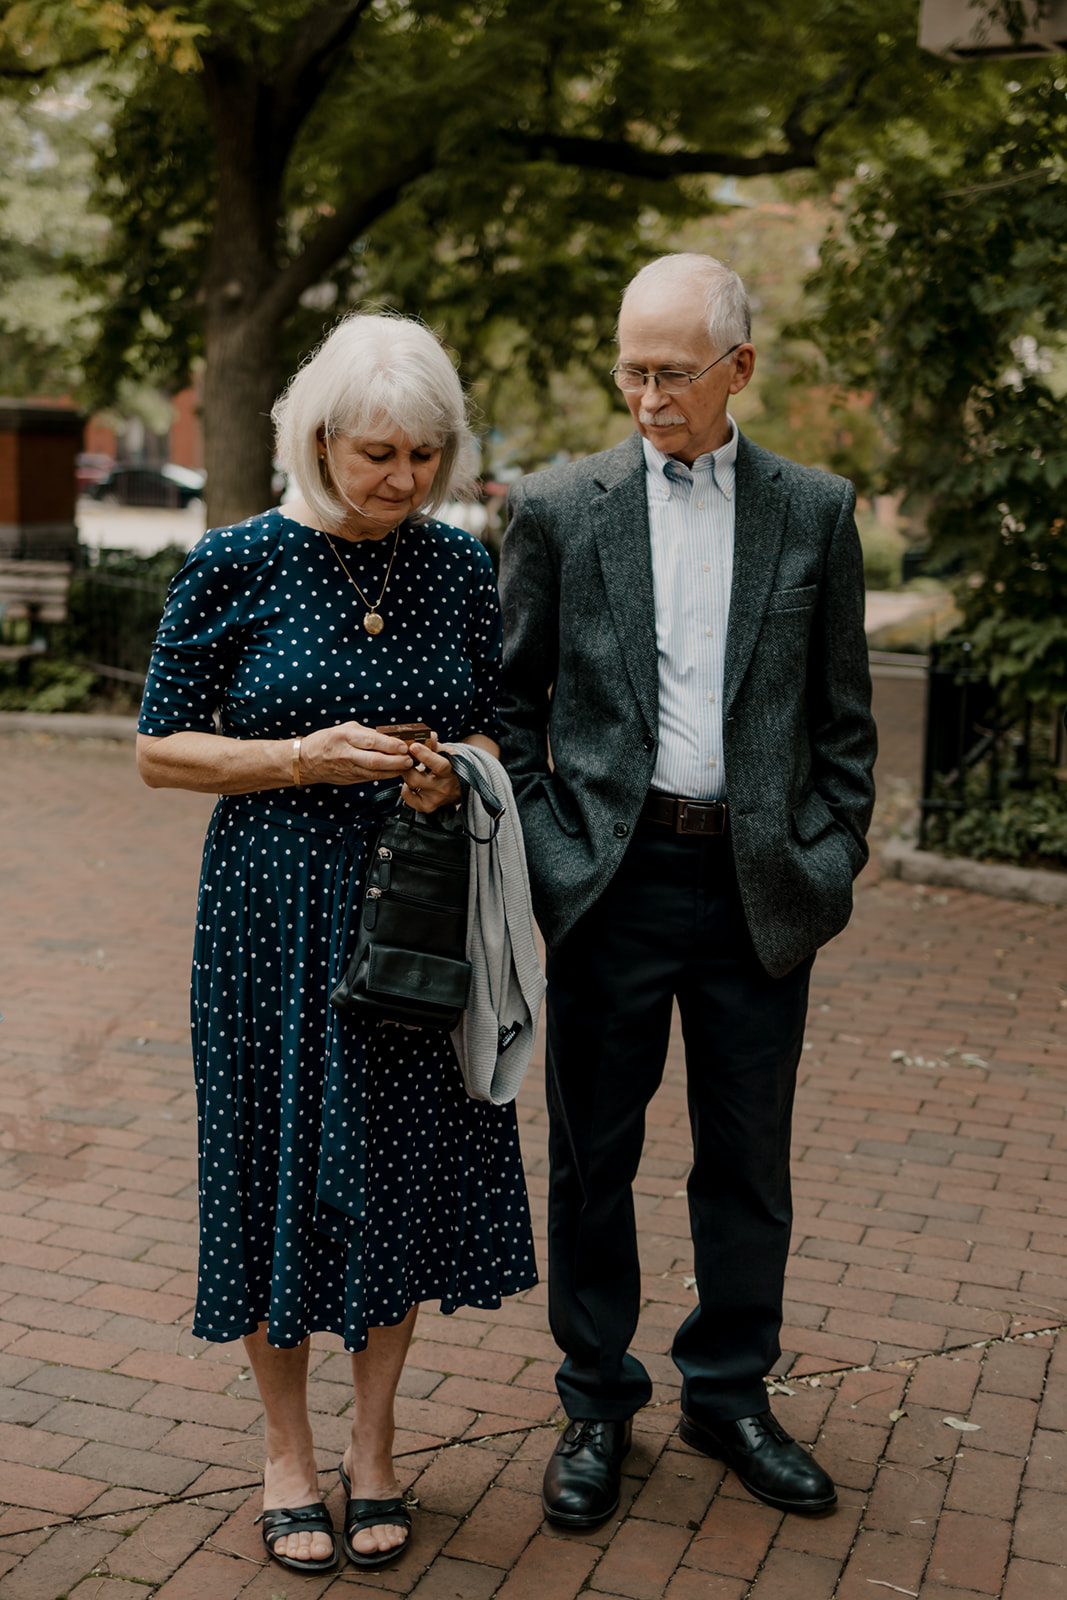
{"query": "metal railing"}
(114, 611)
(967, 725)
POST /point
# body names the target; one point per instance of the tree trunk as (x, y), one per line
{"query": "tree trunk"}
(241, 382)
(240, 322)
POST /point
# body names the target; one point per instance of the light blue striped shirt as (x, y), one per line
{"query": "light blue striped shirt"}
(691, 521)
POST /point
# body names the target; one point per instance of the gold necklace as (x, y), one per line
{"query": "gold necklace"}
(374, 622)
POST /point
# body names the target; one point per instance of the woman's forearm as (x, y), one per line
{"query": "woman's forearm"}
(207, 763)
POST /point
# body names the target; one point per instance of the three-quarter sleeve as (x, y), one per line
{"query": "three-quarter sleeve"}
(201, 634)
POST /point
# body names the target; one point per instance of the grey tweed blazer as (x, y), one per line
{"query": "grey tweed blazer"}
(579, 698)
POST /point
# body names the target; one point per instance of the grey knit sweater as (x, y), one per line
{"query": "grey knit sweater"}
(495, 1037)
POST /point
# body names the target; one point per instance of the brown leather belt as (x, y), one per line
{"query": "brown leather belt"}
(707, 817)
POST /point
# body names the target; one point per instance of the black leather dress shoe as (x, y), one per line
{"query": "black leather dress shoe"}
(770, 1464)
(582, 1477)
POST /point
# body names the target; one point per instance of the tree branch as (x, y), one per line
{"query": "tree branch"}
(616, 155)
(793, 126)
(336, 233)
(634, 161)
(311, 57)
(269, 108)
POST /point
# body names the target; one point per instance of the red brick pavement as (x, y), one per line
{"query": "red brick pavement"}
(927, 1288)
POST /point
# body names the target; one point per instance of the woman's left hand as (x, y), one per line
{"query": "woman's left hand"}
(433, 782)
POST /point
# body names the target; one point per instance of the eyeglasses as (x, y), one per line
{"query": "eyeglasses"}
(633, 379)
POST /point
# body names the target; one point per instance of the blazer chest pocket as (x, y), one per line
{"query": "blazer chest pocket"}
(793, 599)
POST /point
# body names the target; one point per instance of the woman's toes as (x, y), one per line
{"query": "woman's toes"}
(382, 1536)
(304, 1546)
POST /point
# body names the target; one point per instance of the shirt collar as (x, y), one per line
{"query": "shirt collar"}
(721, 463)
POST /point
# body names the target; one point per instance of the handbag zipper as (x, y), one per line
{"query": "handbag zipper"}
(374, 896)
(386, 853)
(415, 900)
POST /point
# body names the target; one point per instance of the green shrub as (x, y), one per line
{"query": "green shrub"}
(882, 551)
(49, 685)
(1027, 828)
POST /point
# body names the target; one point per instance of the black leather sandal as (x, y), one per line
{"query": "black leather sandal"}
(302, 1519)
(372, 1514)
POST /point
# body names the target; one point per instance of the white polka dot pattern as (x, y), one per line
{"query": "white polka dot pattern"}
(344, 1173)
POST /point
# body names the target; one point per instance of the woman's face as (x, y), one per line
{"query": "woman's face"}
(380, 478)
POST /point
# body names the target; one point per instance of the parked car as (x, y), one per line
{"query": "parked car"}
(167, 486)
(91, 467)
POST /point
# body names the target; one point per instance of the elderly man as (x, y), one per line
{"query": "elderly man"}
(687, 712)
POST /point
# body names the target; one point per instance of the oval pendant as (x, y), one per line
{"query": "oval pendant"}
(373, 622)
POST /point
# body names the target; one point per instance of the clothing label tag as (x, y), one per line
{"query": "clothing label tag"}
(508, 1037)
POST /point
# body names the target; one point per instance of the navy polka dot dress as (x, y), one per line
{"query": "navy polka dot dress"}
(345, 1175)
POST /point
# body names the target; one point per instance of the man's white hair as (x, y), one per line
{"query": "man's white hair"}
(376, 372)
(726, 310)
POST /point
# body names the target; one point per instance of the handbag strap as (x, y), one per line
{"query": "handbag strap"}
(472, 776)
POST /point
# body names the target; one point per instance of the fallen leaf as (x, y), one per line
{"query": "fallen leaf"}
(895, 1416)
(961, 1427)
(779, 1388)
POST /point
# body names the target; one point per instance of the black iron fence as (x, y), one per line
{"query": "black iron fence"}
(114, 610)
(975, 748)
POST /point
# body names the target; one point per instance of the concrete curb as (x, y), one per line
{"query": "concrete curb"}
(900, 859)
(70, 725)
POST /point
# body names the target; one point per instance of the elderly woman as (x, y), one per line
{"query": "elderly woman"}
(345, 1176)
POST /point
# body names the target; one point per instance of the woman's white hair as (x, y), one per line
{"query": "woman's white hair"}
(377, 371)
(726, 309)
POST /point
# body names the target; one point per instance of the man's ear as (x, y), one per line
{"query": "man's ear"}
(744, 364)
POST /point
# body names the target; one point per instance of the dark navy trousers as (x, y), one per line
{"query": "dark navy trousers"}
(670, 926)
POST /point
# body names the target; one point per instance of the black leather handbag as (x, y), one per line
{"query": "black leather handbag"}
(410, 961)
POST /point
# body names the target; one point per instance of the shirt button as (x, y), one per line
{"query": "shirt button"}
(711, 699)
(707, 633)
(700, 505)
(621, 830)
(713, 762)
(649, 742)
(707, 566)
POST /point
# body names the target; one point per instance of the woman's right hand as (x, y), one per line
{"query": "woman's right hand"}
(351, 753)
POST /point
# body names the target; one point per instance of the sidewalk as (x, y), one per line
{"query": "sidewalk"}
(926, 1296)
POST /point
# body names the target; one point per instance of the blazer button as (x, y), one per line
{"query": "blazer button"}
(621, 830)
(650, 743)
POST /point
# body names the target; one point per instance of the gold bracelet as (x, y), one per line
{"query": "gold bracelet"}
(296, 764)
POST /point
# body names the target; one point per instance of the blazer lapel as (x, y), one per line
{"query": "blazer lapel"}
(620, 527)
(758, 531)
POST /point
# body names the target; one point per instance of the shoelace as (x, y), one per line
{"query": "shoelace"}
(587, 1434)
(762, 1429)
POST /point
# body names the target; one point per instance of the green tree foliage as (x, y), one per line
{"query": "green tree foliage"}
(46, 321)
(945, 292)
(499, 166)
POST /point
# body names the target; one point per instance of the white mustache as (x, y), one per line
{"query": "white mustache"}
(657, 419)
